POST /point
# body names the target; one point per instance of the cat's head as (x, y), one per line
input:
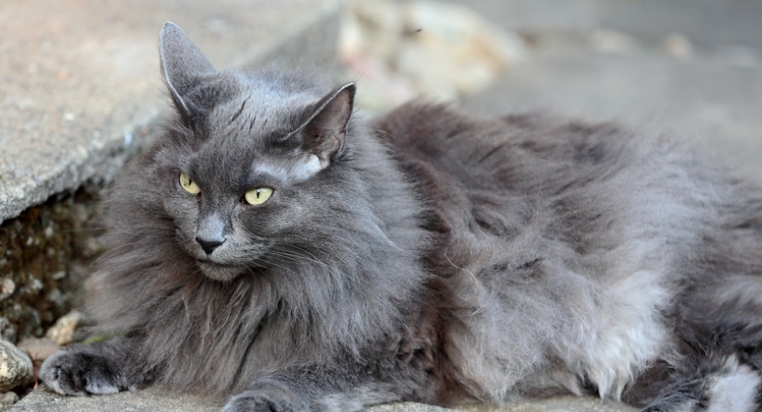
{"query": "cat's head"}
(250, 168)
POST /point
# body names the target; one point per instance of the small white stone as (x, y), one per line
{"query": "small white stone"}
(7, 287)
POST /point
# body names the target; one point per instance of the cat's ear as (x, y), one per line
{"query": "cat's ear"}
(182, 64)
(325, 133)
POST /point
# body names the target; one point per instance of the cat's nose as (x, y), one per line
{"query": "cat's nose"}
(211, 232)
(209, 244)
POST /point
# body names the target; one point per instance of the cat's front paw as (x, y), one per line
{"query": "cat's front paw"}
(266, 396)
(71, 372)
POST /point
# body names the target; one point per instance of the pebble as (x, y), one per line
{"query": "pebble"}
(7, 287)
(7, 400)
(63, 330)
(15, 367)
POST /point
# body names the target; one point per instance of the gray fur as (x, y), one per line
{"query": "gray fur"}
(424, 255)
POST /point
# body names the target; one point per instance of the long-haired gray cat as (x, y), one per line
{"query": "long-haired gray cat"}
(274, 248)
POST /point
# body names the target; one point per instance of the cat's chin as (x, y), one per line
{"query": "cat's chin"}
(219, 272)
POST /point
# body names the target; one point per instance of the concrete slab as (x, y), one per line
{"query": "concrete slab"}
(41, 400)
(710, 24)
(542, 15)
(152, 400)
(716, 105)
(712, 95)
(78, 76)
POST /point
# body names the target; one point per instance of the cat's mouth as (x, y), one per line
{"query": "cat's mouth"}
(218, 271)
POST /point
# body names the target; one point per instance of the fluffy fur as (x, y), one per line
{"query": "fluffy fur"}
(425, 255)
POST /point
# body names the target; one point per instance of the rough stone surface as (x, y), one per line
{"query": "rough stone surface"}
(15, 367)
(41, 400)
(561, 404)
(157, 401)
(7, 400)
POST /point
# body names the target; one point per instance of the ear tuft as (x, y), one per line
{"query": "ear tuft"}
(326, 131)
(182, 63)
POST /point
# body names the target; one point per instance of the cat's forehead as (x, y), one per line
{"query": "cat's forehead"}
(241, 129)
(265, 101)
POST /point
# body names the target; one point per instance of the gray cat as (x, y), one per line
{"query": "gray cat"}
(274, 248)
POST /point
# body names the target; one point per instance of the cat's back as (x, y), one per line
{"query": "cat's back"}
(528, 153)
(585, 187)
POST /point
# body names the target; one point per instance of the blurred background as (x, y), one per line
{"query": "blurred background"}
(689, 67)
(80, 93)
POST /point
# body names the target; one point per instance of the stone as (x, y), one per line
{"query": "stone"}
(7, 287)
(63, 330)
(7, 400)
(15, 367)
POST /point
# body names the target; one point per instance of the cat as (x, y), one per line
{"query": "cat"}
(277, 251)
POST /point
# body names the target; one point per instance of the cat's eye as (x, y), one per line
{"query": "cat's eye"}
(188, 184)
(258, 195)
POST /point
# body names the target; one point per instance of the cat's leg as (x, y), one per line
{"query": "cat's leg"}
(718, 361)
(101, 368)
(329, 388)
(716, 384)
(281, 394)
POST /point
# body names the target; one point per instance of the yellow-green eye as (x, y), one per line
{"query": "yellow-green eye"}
(258, 196)
(189, 185)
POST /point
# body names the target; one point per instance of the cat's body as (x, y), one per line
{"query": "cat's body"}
(426, 256)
